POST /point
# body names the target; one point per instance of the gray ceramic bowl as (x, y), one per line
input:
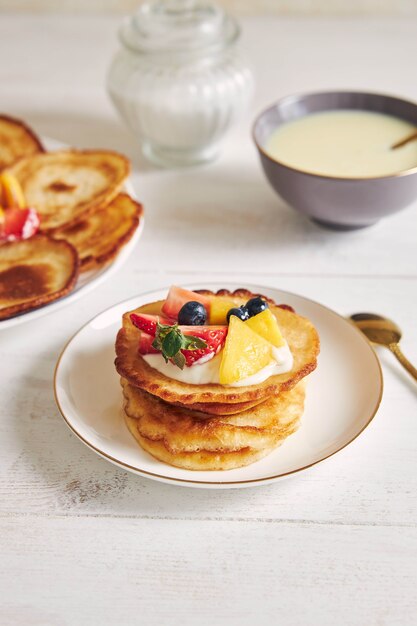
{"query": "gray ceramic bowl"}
(341, 203)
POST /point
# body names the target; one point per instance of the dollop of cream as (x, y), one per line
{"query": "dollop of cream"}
(204, 372)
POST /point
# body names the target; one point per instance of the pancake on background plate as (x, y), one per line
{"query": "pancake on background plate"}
(100, 234)
(72, 196)
(17, 140)
(63, 186)
(35, 272)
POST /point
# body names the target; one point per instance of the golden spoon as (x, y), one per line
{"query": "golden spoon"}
(384, 332)
(404, 141)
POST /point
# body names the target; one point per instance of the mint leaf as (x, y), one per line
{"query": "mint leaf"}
(179, 360)
(193, 343)
(172, 343)
(170, 340)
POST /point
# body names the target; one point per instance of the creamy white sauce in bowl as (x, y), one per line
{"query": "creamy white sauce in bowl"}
(344, 143)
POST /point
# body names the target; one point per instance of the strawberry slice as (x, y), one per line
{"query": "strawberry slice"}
(214, 336)
(176, 299)
(147, 323)
(17, 224)
(145, 344)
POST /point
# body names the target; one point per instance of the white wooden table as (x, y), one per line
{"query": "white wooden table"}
(85, 543)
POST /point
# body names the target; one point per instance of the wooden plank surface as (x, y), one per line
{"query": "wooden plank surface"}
(95, 571)
(83, 542)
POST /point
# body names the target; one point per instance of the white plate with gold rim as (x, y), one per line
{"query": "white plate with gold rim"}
(88, 394)
(87, 281)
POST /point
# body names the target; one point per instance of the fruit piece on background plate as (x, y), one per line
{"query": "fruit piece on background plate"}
(214, 336)
(11, 194)
(148, 323)
(17, 224)
(266, 325)
(145, 344)
(219, 308)
(245, 353)
(176, 299)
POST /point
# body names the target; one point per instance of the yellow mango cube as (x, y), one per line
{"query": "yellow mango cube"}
(244, 354)
(11, 191)
(219, 308)
(266, 325)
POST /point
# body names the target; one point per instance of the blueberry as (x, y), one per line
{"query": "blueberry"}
(192, 314)
(256, 305)
(241, 312)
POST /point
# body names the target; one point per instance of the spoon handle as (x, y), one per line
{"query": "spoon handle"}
(395, 349)
(404, 141)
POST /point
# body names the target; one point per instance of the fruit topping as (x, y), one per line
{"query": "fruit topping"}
(145, 344)
(219, 307)
(245, 353)
(11, 194)
(16, 224)
(148, 323)
(176, 299)
(182, 345)
(171, 342)
(214, 338)
(241, 312)
(192, 313)
(266, 325)
(256, 305)
(16, 220)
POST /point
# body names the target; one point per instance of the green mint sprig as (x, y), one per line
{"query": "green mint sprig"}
(170, 340)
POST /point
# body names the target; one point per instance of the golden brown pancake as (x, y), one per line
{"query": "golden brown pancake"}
(100, 235)
(219, 408)
(188, 439)
(299, 332)
(35, 272)
(63, 186)
(17, 140)
(199, 461)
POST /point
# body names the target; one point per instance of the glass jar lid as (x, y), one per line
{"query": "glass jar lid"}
(178, 26)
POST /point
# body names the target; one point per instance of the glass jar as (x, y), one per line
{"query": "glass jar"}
(178, 80)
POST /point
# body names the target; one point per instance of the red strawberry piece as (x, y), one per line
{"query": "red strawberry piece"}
(18, 224)
(286, 307)
(176, 299)
(145, 344)
(147, 323)
(214, 336)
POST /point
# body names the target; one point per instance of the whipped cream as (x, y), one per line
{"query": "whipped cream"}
(204, 372)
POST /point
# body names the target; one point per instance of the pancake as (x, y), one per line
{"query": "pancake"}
(188, 439)
(199, 461)
(299, 332)
(100, 235)
(16, 141)
(218, 408)
(63, 186)
(35, 272)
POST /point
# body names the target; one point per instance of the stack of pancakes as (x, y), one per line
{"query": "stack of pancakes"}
(213, 426)
(85, 217)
